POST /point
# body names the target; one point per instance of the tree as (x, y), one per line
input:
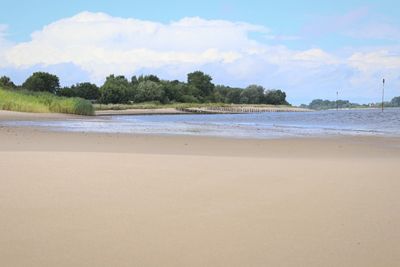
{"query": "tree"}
(42, 81)
(198, 89)
(149, 91)
(134, 80)
(395, 101)
(174, 90)
(228, 94)
(191, 94)
(202, 82)
(86, 90)
(83, 90)
(319, 104)
(275, 97)
(233, 95)
(6, 82)
(150, 77)
(253, 94)
(114, 90)
(66, 92)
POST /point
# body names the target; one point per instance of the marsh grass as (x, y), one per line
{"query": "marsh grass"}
(41, 102)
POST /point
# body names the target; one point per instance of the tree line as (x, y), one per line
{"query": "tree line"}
(117, 89)
(319, 104)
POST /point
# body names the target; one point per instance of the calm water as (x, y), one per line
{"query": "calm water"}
(258, 125)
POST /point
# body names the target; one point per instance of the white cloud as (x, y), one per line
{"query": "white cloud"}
(372, 66)
(99, 44)
(375, 60)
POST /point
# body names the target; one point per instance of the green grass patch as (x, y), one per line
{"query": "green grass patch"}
(41, 102)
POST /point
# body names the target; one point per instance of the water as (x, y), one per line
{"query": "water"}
(256, 125)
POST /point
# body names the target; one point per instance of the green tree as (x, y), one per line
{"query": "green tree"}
(114, 90)
(233, 95)
(174, 90)
(150, 77)
(134, 80)
(42, 81)
(253, 94)
(149, 91)
(6, 82)
(319, 104)
(228, 94)
(191, 94)
(395, 101)
(66, 91)
(275, 97)
(86, 90)
(202, 82)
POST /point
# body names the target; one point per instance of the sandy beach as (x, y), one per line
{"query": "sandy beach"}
(87, 199)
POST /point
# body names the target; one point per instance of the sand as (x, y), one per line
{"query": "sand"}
(78, 199)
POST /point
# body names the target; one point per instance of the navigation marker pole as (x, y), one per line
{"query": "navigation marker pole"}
(383, 92)
(337, 100)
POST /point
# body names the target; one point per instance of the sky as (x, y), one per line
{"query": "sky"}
(309, 49)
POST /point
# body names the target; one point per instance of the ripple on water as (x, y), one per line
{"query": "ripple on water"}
(256, 125)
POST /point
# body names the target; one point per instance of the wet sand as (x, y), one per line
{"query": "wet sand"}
(79, 199)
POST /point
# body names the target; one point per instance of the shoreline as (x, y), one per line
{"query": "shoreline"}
(54, 122)
(279, 146)
(30, 138)
(237, 109)
(17, 115)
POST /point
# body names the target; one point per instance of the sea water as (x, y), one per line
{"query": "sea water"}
(251, 125)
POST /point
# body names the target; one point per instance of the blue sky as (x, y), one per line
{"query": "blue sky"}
(307, 48)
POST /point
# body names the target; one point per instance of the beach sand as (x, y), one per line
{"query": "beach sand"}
(80, 199)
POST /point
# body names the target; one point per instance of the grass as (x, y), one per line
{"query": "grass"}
(155, 105)
(41, 102)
